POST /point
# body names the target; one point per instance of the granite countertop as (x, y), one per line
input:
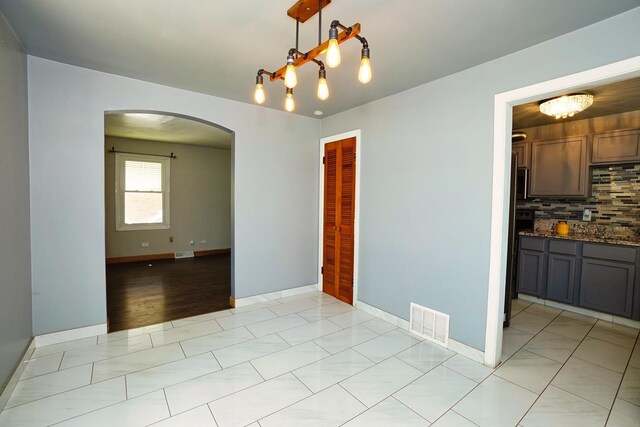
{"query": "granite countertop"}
(585, 238)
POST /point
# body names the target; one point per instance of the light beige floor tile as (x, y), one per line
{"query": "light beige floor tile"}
(558, 408)
(602, 353)
(41, 365)
(276, 325)
(331, 370)
(275, 364)
(170, 336)
(615, 334)
(513, 340)
(249, 350)
(138, 412)
(64, 346)
(388, 413)
(425, 356)
(467, 367)
(130, 333)
(630, 387)
(259, 401)
(591, 382)
(198, 417)
(201, 318)
(552, 346)
(496, 403)
(380, 381)
(215, 341)
(385, 346)
(309, 332)
(529, 370)
(82, 355)
(529, 322)
(433, 394)
(453, 419)
(624, 414)
(543, 310)
(569, 327)
(47, 385)
(312, 411)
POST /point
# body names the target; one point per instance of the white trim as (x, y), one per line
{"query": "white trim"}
(70, 335)
(453, 345)
(584, 311)
(165, 171)
(503, 104)
(356, 226)
(5, 393)
(241, 302)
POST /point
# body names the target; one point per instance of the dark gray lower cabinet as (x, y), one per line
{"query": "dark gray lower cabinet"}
(601, 277)
(561, 278)
(531, 272)
(607, 286)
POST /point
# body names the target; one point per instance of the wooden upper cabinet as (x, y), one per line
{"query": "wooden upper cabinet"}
(616, 147)
(559, 168)
(523, 150)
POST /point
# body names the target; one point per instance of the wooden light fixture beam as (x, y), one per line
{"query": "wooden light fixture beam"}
(305, 9)
(343, 36)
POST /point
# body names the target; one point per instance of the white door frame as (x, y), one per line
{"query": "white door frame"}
(504, 102)
(356, 226)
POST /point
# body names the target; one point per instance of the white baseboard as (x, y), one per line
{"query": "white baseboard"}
(70, 335)
(580, 310)
(241, 302)
(15, 377)
(460, 348)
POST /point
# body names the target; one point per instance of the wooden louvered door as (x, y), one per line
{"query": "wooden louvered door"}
(339, 214)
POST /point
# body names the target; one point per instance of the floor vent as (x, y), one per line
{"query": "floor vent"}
(429, 324)
(184, 254)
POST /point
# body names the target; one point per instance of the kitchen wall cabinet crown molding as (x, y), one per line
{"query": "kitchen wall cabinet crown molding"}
(559, 168)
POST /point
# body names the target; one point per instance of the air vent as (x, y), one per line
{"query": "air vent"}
(429, 324)
(184, 254)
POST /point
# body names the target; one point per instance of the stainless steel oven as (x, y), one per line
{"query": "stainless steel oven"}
(522, 184)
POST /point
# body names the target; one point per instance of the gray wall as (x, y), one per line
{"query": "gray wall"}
(15, 254)
(426, 165)
(200, 201)
(274, 188)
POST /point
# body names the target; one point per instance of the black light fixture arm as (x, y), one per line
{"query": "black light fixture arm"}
(295, 51)
(335, 24)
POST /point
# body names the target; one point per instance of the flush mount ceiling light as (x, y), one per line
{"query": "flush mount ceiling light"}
(566, 105)
(301, 11)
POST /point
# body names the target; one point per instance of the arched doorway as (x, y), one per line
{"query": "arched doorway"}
(168, 207)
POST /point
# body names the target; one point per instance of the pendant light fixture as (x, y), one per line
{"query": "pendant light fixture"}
(566, 105)
(301, 11)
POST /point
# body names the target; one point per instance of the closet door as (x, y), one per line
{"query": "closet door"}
(339, 214)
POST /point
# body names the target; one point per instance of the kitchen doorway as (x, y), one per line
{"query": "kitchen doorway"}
(504, 102)
(339, 215)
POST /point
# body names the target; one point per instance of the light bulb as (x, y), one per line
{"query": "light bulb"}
(364, 74)
(333, 53)
(259, 94)
(290, 78)
(289, 105)
(323, 89)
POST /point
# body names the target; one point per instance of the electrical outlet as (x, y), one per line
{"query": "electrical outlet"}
(204, 242)
(191, 243)
(170, 239)
(586, 215)
(144, 244)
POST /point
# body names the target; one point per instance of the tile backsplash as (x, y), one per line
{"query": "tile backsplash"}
(614, 201)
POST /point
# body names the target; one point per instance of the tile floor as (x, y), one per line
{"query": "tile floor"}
(312, 360)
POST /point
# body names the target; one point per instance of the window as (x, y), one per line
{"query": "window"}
(142, 192)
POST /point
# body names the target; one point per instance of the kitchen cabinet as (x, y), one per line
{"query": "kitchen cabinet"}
(621, 146)
(561, 274)
(608, 279)
(523, 150)
(559, 168)
(602, 277)
(531, 266)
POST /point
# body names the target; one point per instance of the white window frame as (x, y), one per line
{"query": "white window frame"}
(121, 158)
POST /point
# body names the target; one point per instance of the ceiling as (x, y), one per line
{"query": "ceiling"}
(166, 128)
(608, 99)
(217, 46)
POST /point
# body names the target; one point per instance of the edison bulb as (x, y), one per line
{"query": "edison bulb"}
(323, 88)
(259, 94)
(289, 105)
(290, 78)
(364, 74)
(333, 54)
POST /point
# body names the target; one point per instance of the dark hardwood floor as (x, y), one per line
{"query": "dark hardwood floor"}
(144, 293)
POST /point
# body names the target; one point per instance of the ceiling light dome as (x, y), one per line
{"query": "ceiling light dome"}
(566, 105)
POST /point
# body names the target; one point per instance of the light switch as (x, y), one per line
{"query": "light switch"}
(586, 215)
